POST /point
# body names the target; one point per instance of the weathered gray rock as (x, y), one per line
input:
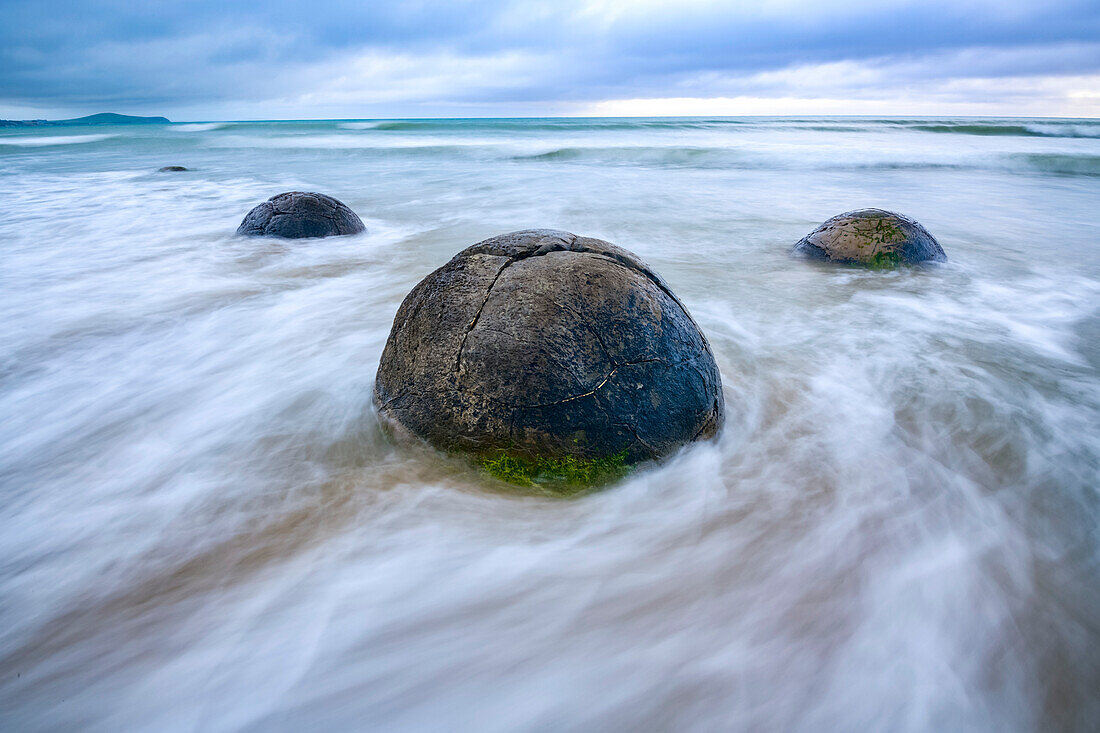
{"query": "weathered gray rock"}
(546, 344)
(171, 169)
(296, 214)
(871, 237)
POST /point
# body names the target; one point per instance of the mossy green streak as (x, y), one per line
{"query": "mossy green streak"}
(885, 261)
(565, 476)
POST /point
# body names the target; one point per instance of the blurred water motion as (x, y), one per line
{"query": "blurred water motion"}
(202, 526)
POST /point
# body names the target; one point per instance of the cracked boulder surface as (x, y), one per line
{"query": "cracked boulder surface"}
(298, 214)
(871, 237)
(545, 344)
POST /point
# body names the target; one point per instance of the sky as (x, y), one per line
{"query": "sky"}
(296, 59)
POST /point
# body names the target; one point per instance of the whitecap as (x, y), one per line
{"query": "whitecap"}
(359, 125)
(37, 141)
(199, 126)
(1061, 129)
(345, 141)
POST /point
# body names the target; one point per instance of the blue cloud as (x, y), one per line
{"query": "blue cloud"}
(88, 55)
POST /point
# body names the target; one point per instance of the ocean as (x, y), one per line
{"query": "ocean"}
(203, 527)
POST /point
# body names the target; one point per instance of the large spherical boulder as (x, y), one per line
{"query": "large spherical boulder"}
(543, 344)
(871, 237)
(296, 215)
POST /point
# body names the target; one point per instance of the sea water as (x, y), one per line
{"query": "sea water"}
(202, 526)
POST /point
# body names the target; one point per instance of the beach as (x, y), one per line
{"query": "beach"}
(204, 526)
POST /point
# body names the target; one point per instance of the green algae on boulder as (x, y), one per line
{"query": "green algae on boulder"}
(873, 237)
(562, 476)
(545, 355)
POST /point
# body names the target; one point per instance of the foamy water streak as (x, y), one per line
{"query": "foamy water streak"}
(204, 528)
(38, 141)
(201, 126)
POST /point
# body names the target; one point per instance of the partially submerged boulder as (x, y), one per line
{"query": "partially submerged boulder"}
(171, 169)
(871, 237)
(542, 348)
(297, 214)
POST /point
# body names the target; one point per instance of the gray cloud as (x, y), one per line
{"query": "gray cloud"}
(343, 55)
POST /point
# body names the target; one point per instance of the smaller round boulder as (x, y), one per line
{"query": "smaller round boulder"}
(871, 237)
(298, 215)
(171, 169)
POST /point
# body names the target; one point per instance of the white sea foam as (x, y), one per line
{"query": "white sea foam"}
(200, 126)
(1063, 129)
(46, 140)
(203, 525)
(343, 141)
(358, 125)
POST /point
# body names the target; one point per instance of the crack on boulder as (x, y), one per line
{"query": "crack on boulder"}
(609, 254)
(512, 259)
(637, 438)
(387, 403)
(711, 423)
(588, 327)
(566, 246)
(607, 378)
(599, 339)
(477, 316)
(651, 276)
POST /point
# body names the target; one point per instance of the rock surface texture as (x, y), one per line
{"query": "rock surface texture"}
(871, 237)
(543, 343)
(296, 215)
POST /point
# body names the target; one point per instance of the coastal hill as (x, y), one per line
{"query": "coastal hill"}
(103, 118)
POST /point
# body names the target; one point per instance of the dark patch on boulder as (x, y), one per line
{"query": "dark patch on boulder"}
(871, 237)
(541, 343)
(297, 215)
(171, 169)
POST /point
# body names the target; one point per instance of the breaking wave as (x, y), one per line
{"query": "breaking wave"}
(542, 124)
(1051, 129)
(200, 126)
(1067, 165)
(47, 140)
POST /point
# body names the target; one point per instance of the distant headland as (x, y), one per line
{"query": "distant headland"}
(104, 118)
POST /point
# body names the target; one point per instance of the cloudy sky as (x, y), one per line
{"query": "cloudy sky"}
(289, 59)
